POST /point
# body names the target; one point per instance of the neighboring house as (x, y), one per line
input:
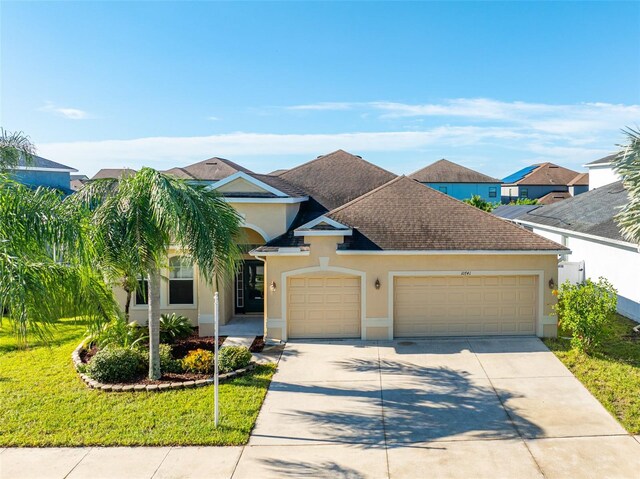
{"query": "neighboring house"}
(536, 181)
(43, 172)
(114, 173)
(580, 184)
(277, 172)
(78, 181)
(586, 225)
(209, 171)
(458, 181)
(553, 197)
(340, 248)
(601, 172)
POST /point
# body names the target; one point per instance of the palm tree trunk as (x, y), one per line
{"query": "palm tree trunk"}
(154, 324)
(127, 303)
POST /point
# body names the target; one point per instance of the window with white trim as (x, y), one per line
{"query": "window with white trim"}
(524, 193)
(180, 281)
(493, 192)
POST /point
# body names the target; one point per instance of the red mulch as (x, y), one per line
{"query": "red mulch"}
(258, 345)
(182, 346)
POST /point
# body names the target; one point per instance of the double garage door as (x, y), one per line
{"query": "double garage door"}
(328, 306)
(464, 305)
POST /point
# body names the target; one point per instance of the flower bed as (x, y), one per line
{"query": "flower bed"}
(180, 349)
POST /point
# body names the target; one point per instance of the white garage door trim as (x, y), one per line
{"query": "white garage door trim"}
(538, 273)
(322, 269)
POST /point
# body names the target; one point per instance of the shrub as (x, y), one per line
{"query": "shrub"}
(585, 310)
(174, 326)
(199, 361)
(167, 363)
(480, 203)
(118, 333)
(233, 357)
(114, 365)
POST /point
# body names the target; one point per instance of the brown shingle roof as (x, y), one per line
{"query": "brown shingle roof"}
(581, 179)
(445, 171)
(547, 174)
(553, 197)
(404, 215)
(212, 169)
(280, 184)
(334, 179)
(115, 173)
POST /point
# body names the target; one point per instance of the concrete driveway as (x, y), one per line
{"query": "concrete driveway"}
(476, 408)
(463, 408)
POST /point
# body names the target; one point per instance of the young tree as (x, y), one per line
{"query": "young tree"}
(627, 164)
(479, 202)
(46, 262)
(139, 217)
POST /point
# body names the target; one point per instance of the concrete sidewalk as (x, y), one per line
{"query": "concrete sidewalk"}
(460, 408)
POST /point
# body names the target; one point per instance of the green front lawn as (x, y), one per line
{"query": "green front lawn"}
(612, 374)
(44, 403)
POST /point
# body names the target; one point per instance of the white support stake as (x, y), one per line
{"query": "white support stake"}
(215, 370)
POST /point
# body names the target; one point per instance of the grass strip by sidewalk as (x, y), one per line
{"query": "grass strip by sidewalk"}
(44, 403)
(612, 374)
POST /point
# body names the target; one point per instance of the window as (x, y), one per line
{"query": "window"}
(142, 293)
(524, 193)
(493, 192)
(180, 281)
(443, 189)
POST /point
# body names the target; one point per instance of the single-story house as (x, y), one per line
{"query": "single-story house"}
(341, 248)
(43, 172)
(537, 181)
(601, 172)
(580, 184)
(586, 225)
(458, 181)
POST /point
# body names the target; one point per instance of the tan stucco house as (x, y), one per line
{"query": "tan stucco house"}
(340, 248)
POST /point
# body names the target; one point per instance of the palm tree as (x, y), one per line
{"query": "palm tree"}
(13, 146)
(627, 164)
(139, 217)
(45, 261)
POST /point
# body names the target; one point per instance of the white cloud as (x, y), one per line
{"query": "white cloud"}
(324, 106)
(213, 118)
(69, 113)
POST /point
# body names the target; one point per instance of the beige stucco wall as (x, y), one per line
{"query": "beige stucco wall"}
(269, 219)
(377, 318)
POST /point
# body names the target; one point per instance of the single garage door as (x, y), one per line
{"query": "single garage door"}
(464, 305)
(323, 306)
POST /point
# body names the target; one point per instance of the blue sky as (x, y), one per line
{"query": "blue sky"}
(494, 86)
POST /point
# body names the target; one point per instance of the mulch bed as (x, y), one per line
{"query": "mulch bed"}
(182, 346)
(179, 350)
(258, 345)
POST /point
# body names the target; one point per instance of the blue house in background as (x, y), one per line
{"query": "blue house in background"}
(458, 181)
(43, 172)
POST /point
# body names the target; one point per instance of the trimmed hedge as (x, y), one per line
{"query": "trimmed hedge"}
(116, 365)
(234, 357)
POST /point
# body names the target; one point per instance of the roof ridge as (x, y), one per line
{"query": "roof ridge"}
(368, 193)
(457, 165)
(320, 157)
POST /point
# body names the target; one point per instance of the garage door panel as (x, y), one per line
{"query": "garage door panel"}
(324, 306)
(468, 305)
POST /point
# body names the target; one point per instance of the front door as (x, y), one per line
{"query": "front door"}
(253, 286)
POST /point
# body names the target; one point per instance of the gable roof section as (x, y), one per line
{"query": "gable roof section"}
(265, 186)
(553, 197)
(212, 169)
(337, 178)
(542, 174)
(38, 163)
(582, 179)
(590, 213)
(113, 173)
(603, 161)
(445, 171)
(403, 215)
